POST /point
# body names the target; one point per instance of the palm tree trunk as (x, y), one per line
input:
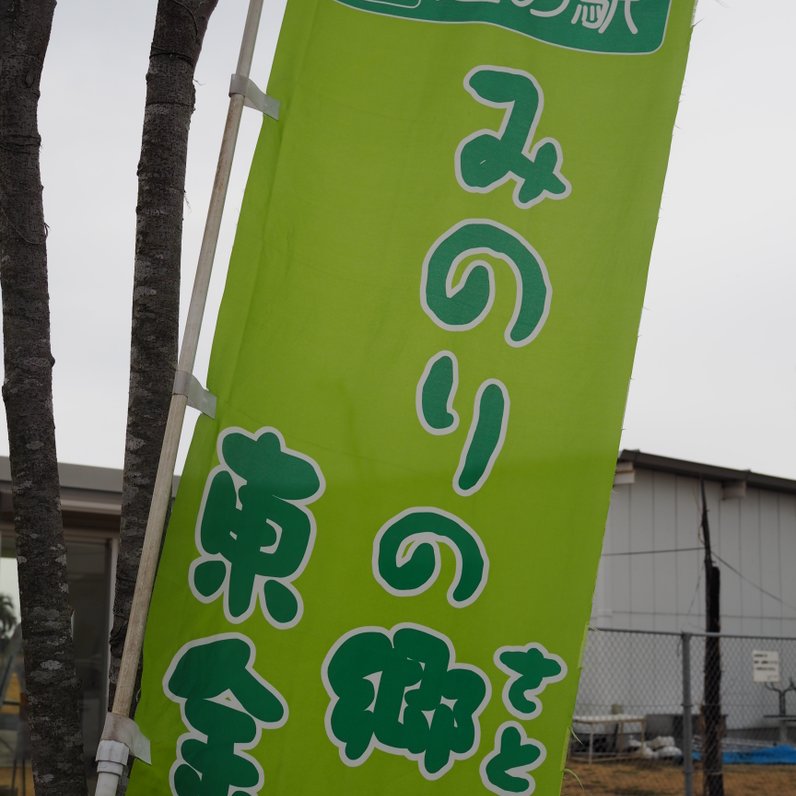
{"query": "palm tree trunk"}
(53, 691)
(179, 32)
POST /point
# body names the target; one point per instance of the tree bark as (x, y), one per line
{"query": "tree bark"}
(179, 32)
(53, 690)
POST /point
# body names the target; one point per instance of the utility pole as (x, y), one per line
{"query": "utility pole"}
(713, 776)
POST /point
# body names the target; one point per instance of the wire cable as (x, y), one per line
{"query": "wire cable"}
(651, 552)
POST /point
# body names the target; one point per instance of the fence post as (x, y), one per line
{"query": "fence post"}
(688, 746)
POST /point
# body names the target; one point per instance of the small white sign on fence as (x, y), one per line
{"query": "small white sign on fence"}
(765, 666)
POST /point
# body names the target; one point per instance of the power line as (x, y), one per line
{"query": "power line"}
(696, 592)
(652, 552)
(753, 584)
(717, 557)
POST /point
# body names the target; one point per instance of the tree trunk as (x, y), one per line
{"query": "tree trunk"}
(179, 32)
(53, 690)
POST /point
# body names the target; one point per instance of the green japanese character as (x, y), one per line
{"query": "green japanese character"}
(487, 159)
(435, 393)
(459, 304)
(485, 438)
(506, 770)
(406, 555)
(254, 533)
(401, 691)
(225, 705)
(531, 669)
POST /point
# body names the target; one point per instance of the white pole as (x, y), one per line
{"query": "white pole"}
(168, 456)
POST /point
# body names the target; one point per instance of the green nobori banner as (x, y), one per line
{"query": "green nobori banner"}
(605, 26)
(380, 563)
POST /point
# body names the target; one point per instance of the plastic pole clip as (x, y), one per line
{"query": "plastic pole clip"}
(253, 97)
(124, 731)
(120, 738)
(198, 397)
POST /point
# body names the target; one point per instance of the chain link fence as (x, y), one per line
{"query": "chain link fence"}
(641, 726)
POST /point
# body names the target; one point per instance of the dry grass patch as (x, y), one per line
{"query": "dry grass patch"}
(645, 778)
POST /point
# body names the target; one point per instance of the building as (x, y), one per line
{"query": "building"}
(651, 578)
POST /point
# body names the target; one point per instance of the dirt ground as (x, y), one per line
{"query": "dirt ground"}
(628, 779)
(647, 778)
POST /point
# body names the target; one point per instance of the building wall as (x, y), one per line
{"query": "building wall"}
(754, 538)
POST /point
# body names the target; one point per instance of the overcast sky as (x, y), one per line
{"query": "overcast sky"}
(715, 373)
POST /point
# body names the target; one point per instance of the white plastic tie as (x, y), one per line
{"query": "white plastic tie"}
(253, 97)
(121, 731)
(198, 397)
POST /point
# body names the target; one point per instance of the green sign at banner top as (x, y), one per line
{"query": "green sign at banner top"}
(628, 27)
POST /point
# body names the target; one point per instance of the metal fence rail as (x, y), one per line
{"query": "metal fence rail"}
(639, 725)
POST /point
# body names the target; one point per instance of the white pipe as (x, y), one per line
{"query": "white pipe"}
(163, 482)
(107, 784)
(112, 757)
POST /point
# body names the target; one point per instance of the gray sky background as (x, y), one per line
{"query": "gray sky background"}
(715, 373)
